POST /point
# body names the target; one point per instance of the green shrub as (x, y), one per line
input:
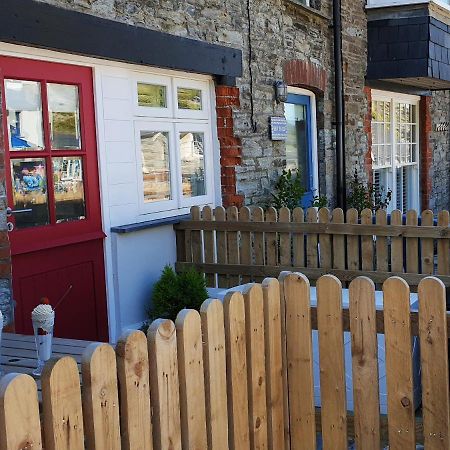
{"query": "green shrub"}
(289, 190)
(175, 291)
(366, 196)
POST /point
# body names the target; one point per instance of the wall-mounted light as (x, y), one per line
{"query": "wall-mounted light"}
(281, 91)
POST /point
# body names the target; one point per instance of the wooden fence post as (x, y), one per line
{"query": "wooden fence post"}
(100, 397)
(234, 313)
(61, 403)
(191, 378)
(365, 363)
(299, 362)
(434, 364)
(20, 426)
(133, 374)
(331, 358)
(164, 385)
(214, 359)
(256, 365)
(274, 363)
(397, 330)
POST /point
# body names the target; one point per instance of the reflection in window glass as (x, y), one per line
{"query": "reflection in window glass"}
(24, 112)
(297, 151)
(64, 116)
(29, 188)
(155, 165)
(192, 164)
(189, 98)
(152, 95)
(69, 189)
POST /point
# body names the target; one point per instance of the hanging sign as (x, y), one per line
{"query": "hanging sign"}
(278, 128)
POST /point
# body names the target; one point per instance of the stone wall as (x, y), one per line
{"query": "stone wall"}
(271, 33)
(440, 149)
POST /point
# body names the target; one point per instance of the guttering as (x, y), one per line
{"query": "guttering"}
(341, 197)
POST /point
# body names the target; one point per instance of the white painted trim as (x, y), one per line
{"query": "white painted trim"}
(388, 95)
(315, 154)
(371, 4)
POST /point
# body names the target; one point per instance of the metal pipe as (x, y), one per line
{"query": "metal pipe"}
(341, 197)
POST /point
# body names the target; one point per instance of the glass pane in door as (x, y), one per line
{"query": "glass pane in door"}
(297, 146)
(64, 116)
(69, 189)
(24, 113)
(192, 164)
(29, 189)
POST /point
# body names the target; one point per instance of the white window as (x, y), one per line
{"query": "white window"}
(395, 148)
(173, 143)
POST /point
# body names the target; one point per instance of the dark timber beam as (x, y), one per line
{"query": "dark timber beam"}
(27, 22)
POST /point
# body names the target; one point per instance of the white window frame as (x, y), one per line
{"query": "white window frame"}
(150, 207)
(314, 147)
(148, 111)
(387, 3)
(181, 127)
(203, 113)
(394, 99)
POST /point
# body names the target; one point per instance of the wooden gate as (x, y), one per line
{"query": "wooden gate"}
(239, 375)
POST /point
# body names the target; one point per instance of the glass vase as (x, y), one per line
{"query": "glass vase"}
(43, 340)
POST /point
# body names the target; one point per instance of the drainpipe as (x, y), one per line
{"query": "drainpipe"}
(340, 107)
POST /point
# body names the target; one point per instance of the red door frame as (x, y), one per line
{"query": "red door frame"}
(67, 233)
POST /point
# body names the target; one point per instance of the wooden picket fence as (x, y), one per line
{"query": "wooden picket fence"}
(237, 246)
(239, 376)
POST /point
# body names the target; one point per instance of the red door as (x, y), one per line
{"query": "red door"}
(54, 212)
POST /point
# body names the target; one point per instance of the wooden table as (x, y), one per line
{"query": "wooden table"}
(18, 352)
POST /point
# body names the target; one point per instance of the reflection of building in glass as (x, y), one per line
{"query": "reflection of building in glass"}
(192, 164)
(155, 165)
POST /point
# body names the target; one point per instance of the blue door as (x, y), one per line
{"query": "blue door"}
(299, 142)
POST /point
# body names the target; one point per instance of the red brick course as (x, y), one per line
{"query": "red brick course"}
(426, 152)
(230, 146)
(305, 74)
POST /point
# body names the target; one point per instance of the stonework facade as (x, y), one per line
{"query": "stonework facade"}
(275, 35)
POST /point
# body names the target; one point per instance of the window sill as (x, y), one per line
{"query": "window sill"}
(139, 226)
(310, 10)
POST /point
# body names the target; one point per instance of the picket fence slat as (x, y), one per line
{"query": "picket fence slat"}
(298, 239)
(208, 242)
(100, 397)
(274, 363)
(245, 250)
(221, 245)
(338, 241)
(399, 370)
(352, 242)
(366, 242)
(443, 247)
(19, 413)
(214, 359)
(133, 376)
(192, 385)
(164, 385)
(285, 238)
(302, 427)
(239, 375)
(311, 240)
(364, 363)
(259, 247)
(325, 241)
(396, 244)
(434, 363)
(412, 245)
(256, 366)
(427, 245)
(331, 360)
(233, 244)
(271, 239)
(61, 404)
(236, 351)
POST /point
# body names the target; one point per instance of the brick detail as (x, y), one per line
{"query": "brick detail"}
(305, 74)
(426, 152)
(230, 146)
(368, 131)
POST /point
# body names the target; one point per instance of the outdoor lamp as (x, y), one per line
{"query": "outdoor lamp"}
(281, 91)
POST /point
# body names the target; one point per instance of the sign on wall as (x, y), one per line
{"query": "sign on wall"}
(278, 128)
